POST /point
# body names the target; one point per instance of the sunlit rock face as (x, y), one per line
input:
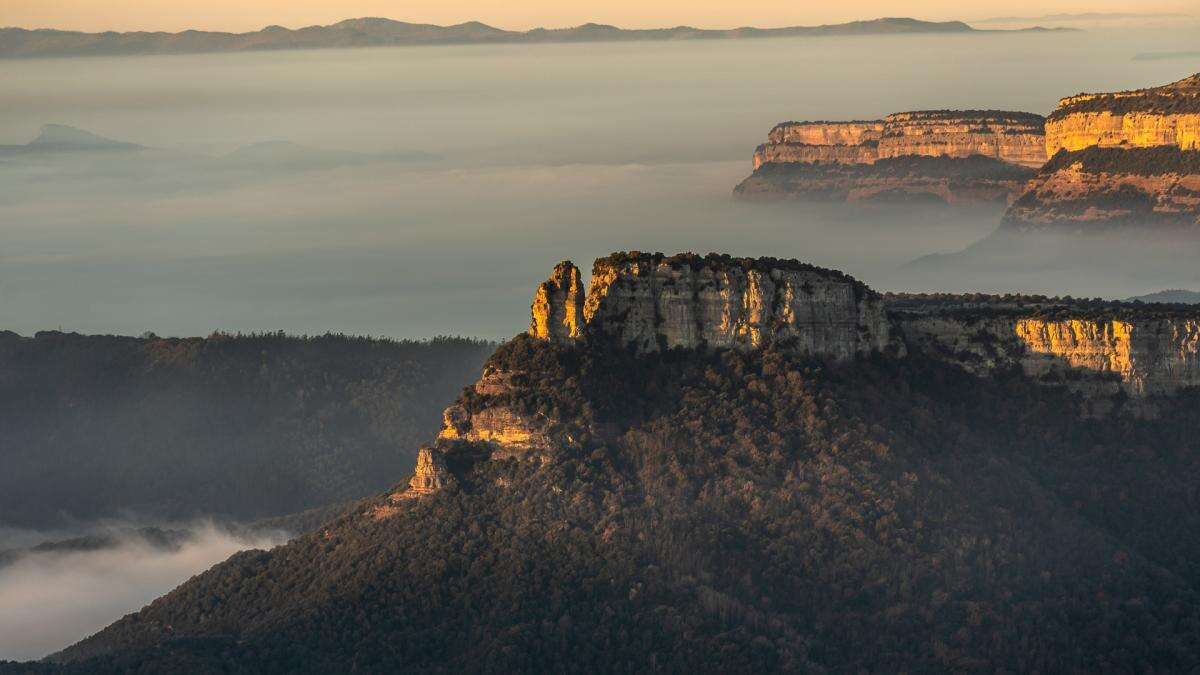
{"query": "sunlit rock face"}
(493, 421)
(557, 310)
(1013, 137)
(1138, 356)
(653, 302)
(855, 161)
(430, 474)
(1123, 159)
(1166, 115)
(1150, 356)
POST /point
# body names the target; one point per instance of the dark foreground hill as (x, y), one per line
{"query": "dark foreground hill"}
(238, 426)
(595, 508)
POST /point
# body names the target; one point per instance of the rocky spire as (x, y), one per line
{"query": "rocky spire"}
(558, 305)
(431, 473)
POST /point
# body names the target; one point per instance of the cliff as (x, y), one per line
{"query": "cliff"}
(1166, 115)
(652, 302)
(857, 160)
(1118, 160)
(1108, 354)
(1013, 137)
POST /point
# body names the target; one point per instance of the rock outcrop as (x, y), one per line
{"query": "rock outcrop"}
(1101, 353)
(488, 416)
(653, 302)
(557, 310)
(875, 159)
(430, 474)
(1120, 160)
(1143, 118)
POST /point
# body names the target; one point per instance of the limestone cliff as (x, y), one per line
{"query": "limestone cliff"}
(1166, 115)
(855, 161)
(1140, 353)
(1013, 137)
(653, 302)
(1119, 159)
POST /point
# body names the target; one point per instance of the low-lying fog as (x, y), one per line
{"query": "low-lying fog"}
(52, 599)
(531, 154)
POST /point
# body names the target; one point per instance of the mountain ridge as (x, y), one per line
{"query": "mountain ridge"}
(374, 32)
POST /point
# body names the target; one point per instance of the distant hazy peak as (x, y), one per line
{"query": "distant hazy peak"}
(63, 135)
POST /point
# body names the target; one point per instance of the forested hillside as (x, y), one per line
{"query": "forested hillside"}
(234, 426)
(734, 512)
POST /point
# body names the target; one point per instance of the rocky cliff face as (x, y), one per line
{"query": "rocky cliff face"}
(654, 302)
(1013, 137)
(1166, 115)
(1120, 159)
(1140, 354)
(854, 160)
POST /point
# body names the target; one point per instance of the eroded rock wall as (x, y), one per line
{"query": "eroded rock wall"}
(1013, 137)
(654, 302)
(1095, 357)
(1167, 115)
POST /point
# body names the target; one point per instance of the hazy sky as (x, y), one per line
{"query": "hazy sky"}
(96, 15)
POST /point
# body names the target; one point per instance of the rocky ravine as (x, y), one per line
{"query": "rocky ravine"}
(1118, 160)
(1114, 356)
(944, 155)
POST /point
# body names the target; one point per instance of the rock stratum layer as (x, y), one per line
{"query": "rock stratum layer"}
(1118, 160)
(970, 155)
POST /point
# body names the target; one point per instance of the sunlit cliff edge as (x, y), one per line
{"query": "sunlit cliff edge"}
(1118, 160)
(947, 155)
(1115, 358)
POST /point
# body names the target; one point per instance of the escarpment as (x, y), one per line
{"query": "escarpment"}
(950, 156)
(1115, 358)
(1105, 353)
(1119, 160)
(1144, 118)
(653, 302)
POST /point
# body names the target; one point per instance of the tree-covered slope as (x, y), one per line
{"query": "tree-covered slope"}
(239, 426)
(733, 512)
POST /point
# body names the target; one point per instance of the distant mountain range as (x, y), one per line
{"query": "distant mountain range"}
(376, 32)
(1173, 296)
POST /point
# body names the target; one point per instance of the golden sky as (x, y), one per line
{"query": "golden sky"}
(241, 15)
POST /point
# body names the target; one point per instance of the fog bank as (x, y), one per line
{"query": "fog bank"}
(535, 154)
(49, 600)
